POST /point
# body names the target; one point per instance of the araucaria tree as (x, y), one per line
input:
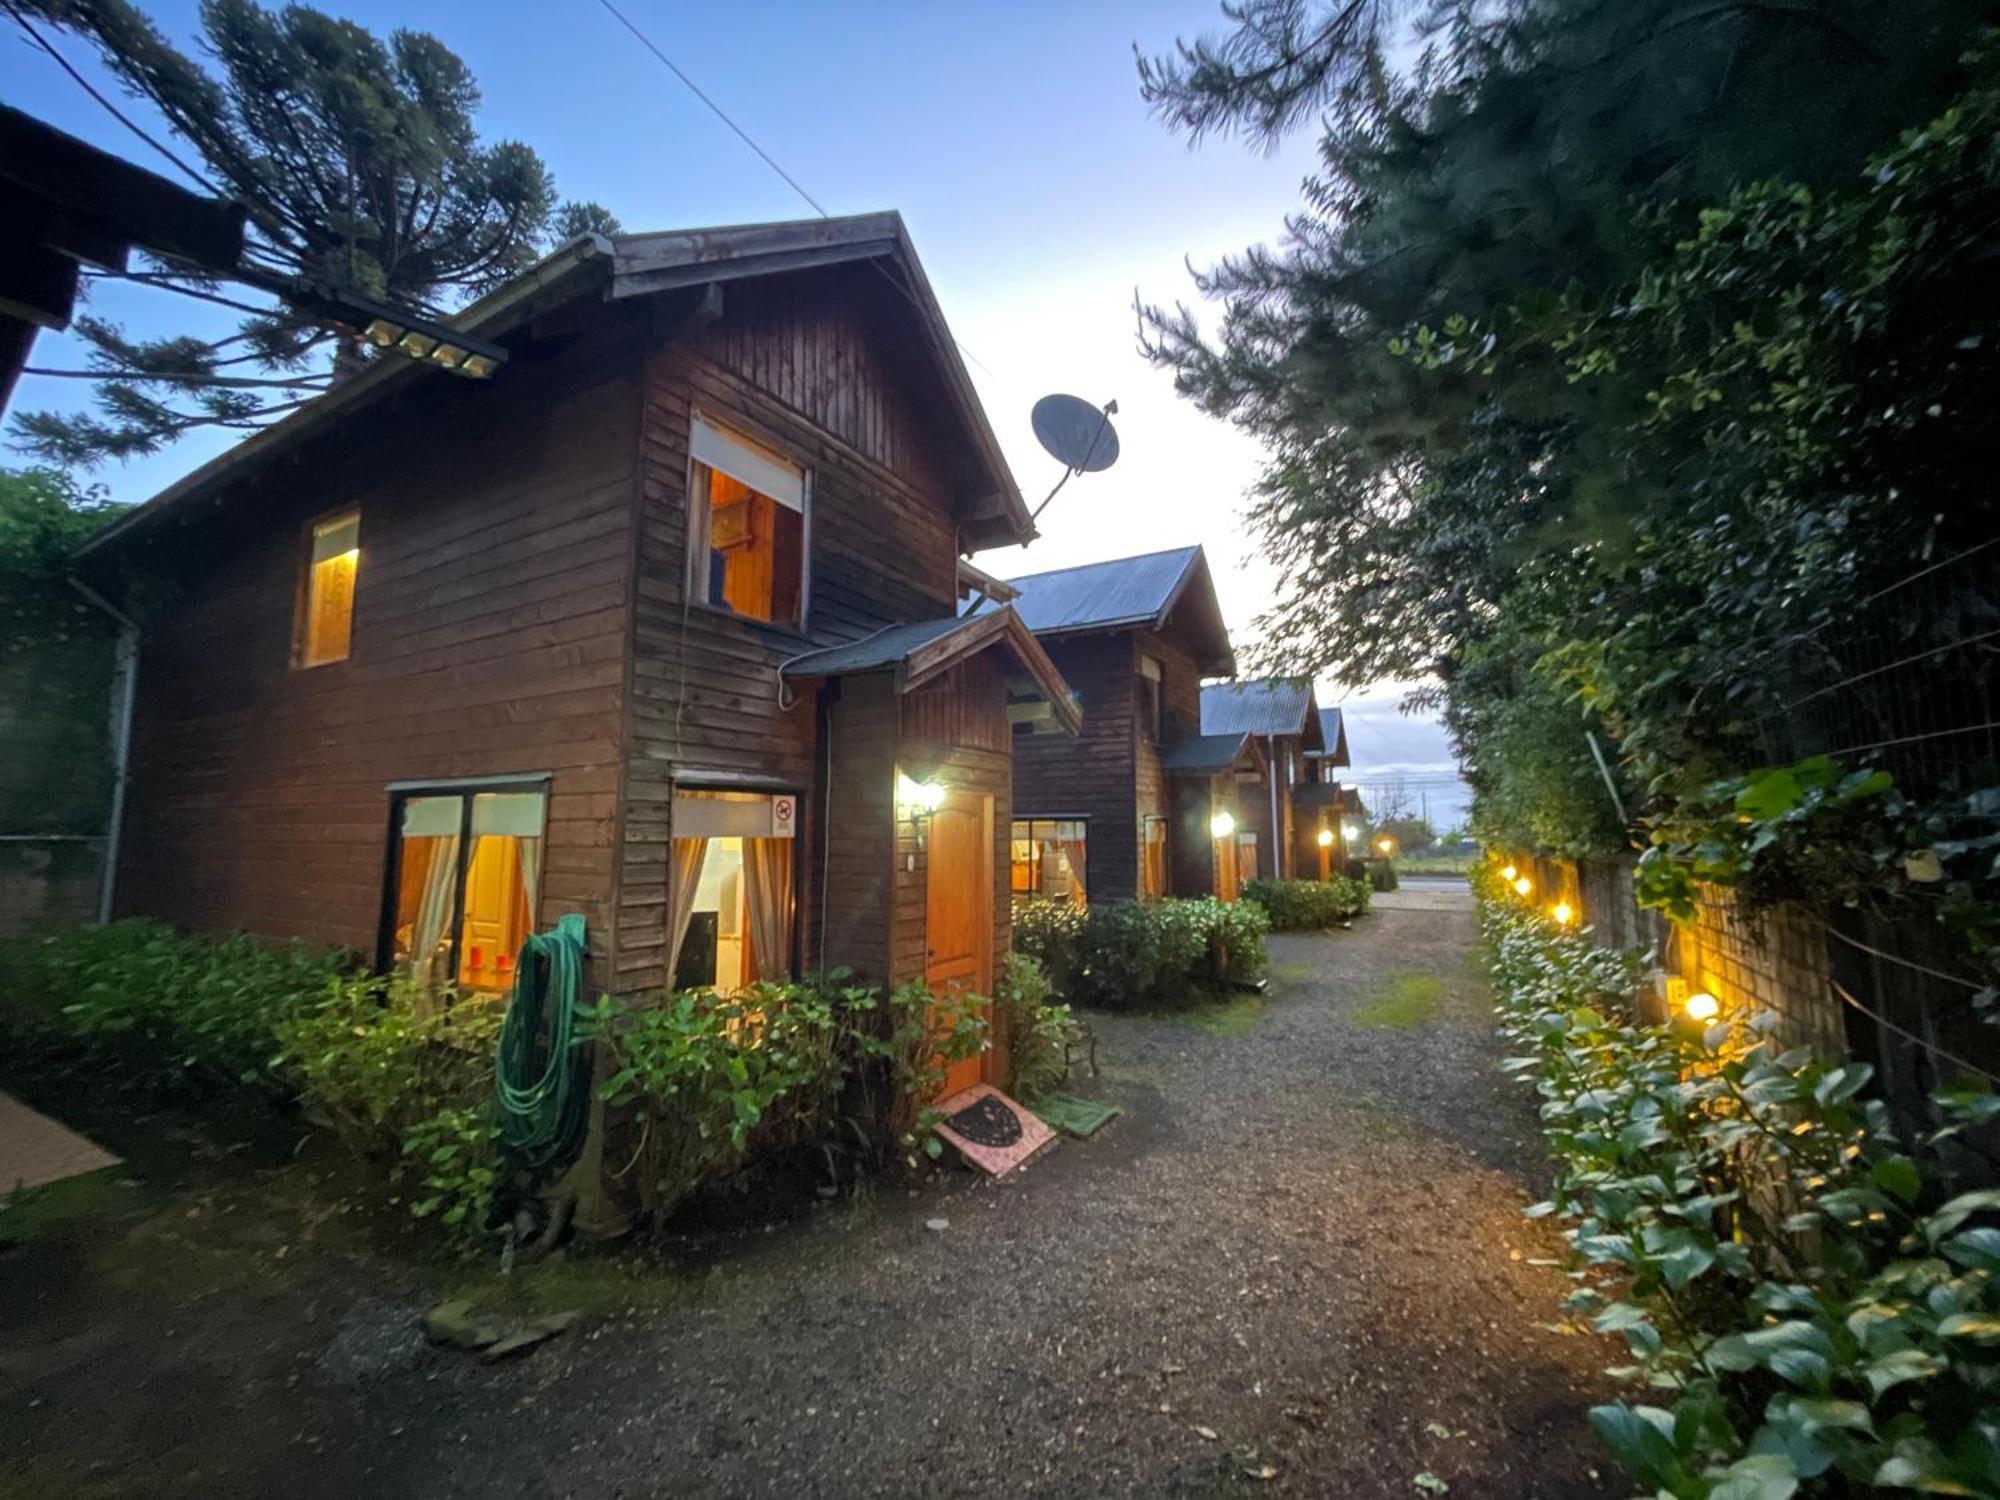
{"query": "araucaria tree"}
(361, 168)
(1615, 342)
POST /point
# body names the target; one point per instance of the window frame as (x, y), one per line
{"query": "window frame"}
(803, 850)
(695, 581)
(1082, 820)
(1152, 698)
(303, 585)
(465, 789)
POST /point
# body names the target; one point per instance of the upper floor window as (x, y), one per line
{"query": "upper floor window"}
(1152, 699)
(747, 507)
(326, 600)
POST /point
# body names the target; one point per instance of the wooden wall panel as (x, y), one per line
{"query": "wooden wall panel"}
(489, 639)
(1093, 775)
(808, 368)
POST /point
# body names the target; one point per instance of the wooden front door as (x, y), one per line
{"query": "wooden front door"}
(958, 904)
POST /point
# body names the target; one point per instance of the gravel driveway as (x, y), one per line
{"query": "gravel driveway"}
(1295, 1266)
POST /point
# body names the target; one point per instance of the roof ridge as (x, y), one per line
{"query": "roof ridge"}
(1103, 562)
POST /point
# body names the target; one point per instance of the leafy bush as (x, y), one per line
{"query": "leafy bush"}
(705, 1075)
(1131, 953)
(1308, 905)
(1382, 875)
(172, 1011)
(1038, 1035)
(1798, 1285)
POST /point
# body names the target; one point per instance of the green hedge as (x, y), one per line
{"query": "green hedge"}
(1811, 1303)
(1125, 954)
(407, 1079)
(1309, 905)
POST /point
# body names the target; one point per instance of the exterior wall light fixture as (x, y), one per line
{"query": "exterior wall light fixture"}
(1222, 825)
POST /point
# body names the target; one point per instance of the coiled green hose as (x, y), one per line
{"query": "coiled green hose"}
(542, 1066)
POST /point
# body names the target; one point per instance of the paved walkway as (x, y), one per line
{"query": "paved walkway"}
(1296, 1266)
(35, 1150)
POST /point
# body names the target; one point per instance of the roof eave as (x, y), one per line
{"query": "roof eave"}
(494, 314)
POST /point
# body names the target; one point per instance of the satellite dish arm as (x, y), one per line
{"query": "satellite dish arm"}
(1103, 421)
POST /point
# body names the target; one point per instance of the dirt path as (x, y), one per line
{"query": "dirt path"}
(1302, 1238)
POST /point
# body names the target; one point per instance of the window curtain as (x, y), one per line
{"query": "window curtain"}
(531, 876)
(434, 912)
(683, 875)
(767, 883)
(1074, 849)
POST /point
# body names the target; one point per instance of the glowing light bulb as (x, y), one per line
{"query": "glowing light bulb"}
(1523, 886)
(1509, 873)
(1222, 825)
(1326, 838)
(1563, 912)
(1702, 1006)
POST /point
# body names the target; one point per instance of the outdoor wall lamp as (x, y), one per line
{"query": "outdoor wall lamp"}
(1222, 825)
(919, 798)
(1386, 845)
(1702, 1006)
(1326, 838)
(1523, 886)
(1349, 832)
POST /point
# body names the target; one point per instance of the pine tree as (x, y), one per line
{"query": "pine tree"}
(361, 169)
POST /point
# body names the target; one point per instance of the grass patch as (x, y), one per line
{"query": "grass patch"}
(29, 1212)
(1291, 973)
(1411, 1001)
(598, 1286)
(1235, 1015)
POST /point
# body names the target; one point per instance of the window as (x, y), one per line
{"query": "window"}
(465, 873)
(1152, 703)
(326, 601)
(747, 507)
(1246, 858)
(1153, 858)
(732, 897)
(1048, 858)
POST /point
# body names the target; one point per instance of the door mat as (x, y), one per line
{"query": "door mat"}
(990, 1130)
(35, 1150)
(1073, 1116)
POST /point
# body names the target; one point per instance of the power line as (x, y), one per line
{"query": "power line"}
(116, 113)
(719, 112)
(770, 161)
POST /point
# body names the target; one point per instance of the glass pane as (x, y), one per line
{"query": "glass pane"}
(329, 606)
(426, 887)
(502, 883)
(713, 954)
(756, 551)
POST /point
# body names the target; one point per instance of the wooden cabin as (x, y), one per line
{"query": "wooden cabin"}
(659, 624)
(1321, 806)
(1127, 808)
(1281, 715)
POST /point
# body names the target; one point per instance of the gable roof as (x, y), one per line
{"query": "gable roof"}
(634, 265)
(1333, 734)
(919, 651)
(1209, 754)
(1261, 705)
(1126, 593)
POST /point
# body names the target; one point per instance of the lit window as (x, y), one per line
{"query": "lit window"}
(732, 896)
(1152, 702)
(1153, 864)
(465, 872)
(748, 512)
(1048, 858)
(326, 605)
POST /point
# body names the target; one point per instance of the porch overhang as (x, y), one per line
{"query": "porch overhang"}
(1207, 755)
(920, 651)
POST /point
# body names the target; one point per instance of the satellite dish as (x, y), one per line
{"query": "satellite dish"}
(1078, 435)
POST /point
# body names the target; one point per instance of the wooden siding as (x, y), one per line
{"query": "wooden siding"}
(489, 639)
(822, 379)
(1092, 775)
